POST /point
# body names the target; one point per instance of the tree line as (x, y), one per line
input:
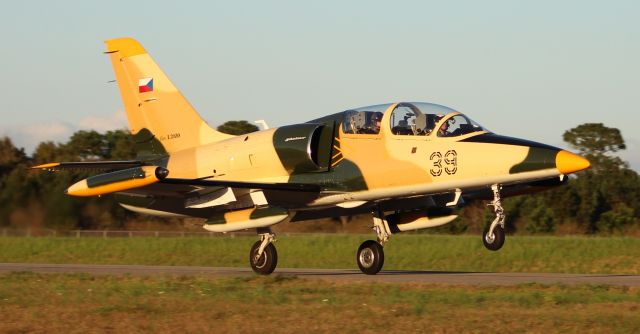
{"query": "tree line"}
(602, 200)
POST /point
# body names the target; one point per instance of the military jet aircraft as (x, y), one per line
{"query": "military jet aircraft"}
(409, 164)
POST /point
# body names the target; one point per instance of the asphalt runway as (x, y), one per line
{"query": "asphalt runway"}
(335, 275)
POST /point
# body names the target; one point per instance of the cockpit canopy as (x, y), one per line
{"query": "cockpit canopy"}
(410, 119)
(365, 120)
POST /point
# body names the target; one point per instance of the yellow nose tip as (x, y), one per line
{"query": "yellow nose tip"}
(567, 162)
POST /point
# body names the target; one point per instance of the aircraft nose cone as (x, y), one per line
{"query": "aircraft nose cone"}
(568, 163)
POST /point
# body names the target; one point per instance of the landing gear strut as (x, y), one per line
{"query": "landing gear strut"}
(493, 236)
(370, 255)
(263, 256)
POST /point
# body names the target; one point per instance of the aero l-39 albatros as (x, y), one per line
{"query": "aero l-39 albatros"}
(409, 164)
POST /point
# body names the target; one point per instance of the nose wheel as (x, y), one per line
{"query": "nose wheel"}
(493, 240)
(493, 236)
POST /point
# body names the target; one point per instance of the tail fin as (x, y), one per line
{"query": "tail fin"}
(155, 107)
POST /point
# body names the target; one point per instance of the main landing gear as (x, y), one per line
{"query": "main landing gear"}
(263, 256)
(493, 236)
(370, 255)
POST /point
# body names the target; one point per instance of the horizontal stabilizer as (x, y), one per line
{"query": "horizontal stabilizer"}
(90, 165)
(120, 180)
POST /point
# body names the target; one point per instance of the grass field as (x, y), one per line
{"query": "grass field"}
(404, 252)
(83, 303)
(57, 303)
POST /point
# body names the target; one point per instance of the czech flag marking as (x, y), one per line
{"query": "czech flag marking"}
(145, 85)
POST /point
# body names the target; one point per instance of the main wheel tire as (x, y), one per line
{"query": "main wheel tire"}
(370, 257)
(495, 241)
(267, 262)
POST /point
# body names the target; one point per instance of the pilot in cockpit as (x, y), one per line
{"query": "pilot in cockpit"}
(443, 131)
(376, 120)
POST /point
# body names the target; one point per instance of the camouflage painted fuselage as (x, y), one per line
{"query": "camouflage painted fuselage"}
(398, 156)
(355, 171)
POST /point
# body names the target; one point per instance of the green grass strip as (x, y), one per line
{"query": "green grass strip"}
(404, 252)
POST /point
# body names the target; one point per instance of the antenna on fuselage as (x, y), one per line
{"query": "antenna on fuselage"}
(262, 123)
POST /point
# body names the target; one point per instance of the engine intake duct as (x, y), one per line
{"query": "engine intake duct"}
(304, 148)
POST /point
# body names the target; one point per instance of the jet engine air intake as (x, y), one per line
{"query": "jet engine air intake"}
(304, 148)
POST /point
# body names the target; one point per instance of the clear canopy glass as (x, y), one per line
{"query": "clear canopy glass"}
(365, 120)
(458, 125)
(410, 119)
(421, 118)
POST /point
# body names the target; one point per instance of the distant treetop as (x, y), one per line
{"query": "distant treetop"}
(237, 127)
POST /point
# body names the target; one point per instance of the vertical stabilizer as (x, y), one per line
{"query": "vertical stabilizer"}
(155, 107)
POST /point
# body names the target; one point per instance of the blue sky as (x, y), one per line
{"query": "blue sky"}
(526, 69)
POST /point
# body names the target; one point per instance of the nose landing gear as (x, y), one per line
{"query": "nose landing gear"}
(493, 237)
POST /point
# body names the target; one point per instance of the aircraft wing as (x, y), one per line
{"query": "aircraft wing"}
(197, 197)
(282, 194)
(244, 185)
(90, 165)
